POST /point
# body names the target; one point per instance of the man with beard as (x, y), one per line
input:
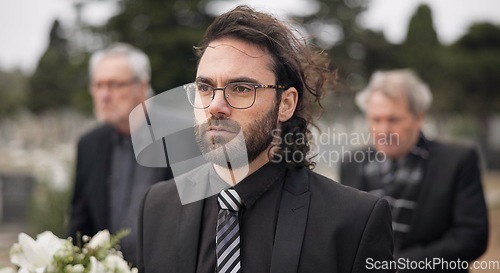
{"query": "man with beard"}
(434, 189)
(257, 85)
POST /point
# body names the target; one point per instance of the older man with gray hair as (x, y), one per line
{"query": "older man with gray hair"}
(109, 183)
(438, 207)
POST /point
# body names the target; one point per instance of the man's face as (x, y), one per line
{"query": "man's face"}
(115, 91)
(225, 61)
(395, 130)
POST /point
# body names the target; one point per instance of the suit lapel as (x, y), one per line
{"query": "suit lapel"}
(99, 188)
(429, 169)
(187, 241)
(190, 219)
(292, 220)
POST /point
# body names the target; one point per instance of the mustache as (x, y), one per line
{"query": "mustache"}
(219, 123)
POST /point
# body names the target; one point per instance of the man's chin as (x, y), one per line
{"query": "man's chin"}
(391, 151)
(220, 159)
(105, 116)
(212, 143)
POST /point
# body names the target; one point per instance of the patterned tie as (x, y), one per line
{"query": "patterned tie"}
(228, 232)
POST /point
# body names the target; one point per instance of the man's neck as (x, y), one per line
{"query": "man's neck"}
(123, 129)
(233, 176)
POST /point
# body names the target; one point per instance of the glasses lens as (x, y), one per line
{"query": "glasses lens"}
(240, 95)
(199, 94)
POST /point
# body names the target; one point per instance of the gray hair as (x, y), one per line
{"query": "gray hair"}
(391, 83)
(138, 60)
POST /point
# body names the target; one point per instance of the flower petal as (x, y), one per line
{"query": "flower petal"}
(7, 270)
(49, 243)
(96, 266)
(34, 255)
(101, 239)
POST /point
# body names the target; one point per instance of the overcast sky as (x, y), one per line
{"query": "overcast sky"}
(24, 24)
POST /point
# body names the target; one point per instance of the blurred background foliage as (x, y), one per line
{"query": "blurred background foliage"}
(166, 31)
(464, 76)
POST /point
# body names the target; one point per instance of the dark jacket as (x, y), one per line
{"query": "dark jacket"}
(451, 220)
(90, 208)
(322, 226)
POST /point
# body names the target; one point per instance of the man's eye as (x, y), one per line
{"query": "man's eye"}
(394, 120)
(241, 89)
(203, 88)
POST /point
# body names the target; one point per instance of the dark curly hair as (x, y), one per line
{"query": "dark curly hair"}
(294, 65)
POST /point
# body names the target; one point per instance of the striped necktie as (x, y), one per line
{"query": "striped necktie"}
(228, 232)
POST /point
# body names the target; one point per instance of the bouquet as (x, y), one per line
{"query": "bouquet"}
(50, 254)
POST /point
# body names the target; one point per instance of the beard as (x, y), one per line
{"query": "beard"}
(243, 146)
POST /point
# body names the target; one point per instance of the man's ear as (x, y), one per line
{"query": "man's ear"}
(420, 120)
(288, 103)
(144, 86)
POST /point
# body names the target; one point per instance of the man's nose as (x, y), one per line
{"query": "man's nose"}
(219, 104)
(102, 93)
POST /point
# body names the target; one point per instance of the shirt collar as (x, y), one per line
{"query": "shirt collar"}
(421, 149)
(252, 187)
(118, 138)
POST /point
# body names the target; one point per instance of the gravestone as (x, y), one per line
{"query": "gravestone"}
(15, 197)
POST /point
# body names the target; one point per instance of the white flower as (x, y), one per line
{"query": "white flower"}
(115, 263)
(96, 266)
(75, 268)
(101, 239)
(35, 256)
(49, 254)
(7, 270)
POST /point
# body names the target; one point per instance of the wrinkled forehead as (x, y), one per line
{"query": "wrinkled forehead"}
(388, 103)
(112, 65)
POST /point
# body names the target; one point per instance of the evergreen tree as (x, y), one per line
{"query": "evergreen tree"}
(335, 29)
(47, 87)
(421, 32)
(56, 80)
(12, 91)
(474, 64)
(166, 31)
(421, 48)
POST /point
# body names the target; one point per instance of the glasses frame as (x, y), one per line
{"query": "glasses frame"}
(112, 85)
(223, 89)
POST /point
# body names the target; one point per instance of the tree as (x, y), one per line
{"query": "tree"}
(335, 29)
(12, 91)
(474, 64)
(56, 81)
(166, 31)
(379, 52)
(421, 32)
(421, 48)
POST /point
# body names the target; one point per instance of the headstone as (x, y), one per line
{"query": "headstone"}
(15, 197)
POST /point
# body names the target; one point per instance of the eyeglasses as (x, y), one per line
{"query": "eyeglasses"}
(239, 95)
(112, 85)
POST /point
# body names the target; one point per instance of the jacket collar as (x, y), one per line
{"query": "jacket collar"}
(291, 223)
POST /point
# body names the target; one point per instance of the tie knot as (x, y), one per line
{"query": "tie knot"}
(229, 199)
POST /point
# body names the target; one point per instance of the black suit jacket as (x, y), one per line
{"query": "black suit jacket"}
(322, 227)
(451, 219)
(90, 208)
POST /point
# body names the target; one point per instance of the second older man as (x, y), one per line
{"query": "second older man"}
(438, 206)
(109, 183)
